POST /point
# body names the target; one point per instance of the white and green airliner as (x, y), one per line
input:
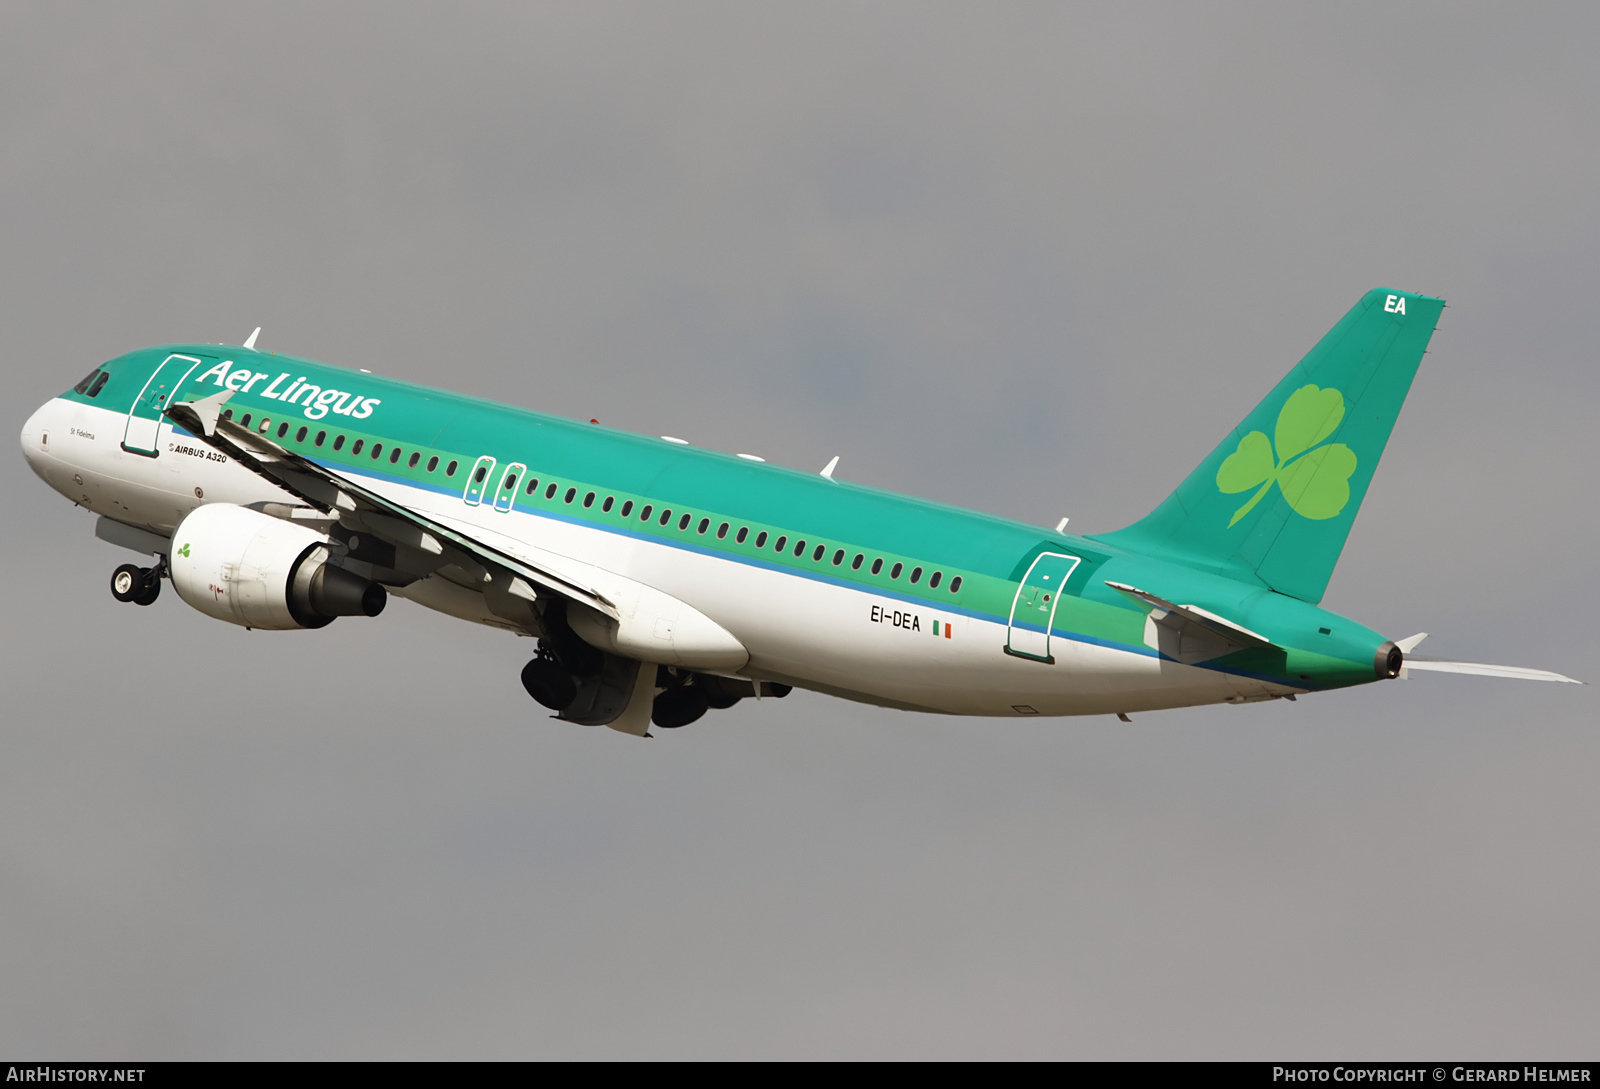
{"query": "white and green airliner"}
(661, 580)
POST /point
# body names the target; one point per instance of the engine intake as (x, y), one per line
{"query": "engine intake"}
(251, 569)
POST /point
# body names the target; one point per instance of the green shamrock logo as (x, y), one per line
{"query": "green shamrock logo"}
(184, 551)
(1314, 479)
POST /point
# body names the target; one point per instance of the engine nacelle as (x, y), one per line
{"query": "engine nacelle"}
(251, 569)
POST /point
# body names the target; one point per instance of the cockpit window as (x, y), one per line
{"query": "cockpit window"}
(99, 384)
(83, 384)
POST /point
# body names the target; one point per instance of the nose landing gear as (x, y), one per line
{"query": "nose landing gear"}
(140, 585)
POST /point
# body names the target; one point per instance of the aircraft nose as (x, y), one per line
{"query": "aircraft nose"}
(40, 435)
(35, 435)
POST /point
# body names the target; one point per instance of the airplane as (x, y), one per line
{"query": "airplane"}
(661, 581)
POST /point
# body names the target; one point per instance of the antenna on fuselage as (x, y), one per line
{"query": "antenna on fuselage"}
(828, 469)
(251, 342)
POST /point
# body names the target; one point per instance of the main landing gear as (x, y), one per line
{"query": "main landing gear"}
(549, 684)
(582, 684)
(140, 585)
(686, 696)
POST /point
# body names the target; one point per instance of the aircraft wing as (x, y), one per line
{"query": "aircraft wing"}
(421, 545)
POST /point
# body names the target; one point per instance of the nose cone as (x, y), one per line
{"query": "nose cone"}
(36, 440)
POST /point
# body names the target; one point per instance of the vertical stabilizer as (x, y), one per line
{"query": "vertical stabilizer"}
(1275, 500)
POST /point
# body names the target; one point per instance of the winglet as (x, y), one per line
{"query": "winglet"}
(1409, 643)
(251, 342)
(828, 470)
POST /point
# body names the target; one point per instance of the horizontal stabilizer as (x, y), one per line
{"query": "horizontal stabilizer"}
(1516, 673)
(1225, 630)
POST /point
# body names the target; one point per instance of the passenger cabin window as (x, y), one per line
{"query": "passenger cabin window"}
(283, 429)
(510, 484)
(666, 515)
(415, 457)
(355, 447)
(533, 485)
(321, 437)
(722, 531)
(450, 470)
(244, 421)
(572, 493)
(777, 546)
(761, 539)
(550, 492)
(877, 565)
(916, 574)
(477, 477)
(955, 585)
(300, 435)
(588, 500)
(377, 448)
(627, 508)
(838, 557)
(394, 456)
(744, 531)
(816, 557)
(683, 523)
(705, 524)
(894, 572)
(933, 580)
(644, 513)
(605, 508)
(433, 463)
(855, 564)
(338, 442)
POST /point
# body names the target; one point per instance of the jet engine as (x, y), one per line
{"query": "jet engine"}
(251, 569)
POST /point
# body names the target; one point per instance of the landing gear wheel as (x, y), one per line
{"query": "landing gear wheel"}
(150, 590)
(127, 583)
(549, 684)
(678, 707)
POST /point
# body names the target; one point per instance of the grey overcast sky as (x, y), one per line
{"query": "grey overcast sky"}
(1030, 258)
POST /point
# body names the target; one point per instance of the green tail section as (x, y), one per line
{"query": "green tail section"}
(1275, 501)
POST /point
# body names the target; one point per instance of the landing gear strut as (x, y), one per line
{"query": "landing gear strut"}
(140, 585)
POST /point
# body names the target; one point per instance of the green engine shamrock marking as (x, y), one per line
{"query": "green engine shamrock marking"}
(184, 551)
(1314, 479)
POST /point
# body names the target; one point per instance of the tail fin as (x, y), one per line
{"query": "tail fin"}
(1275, 501)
